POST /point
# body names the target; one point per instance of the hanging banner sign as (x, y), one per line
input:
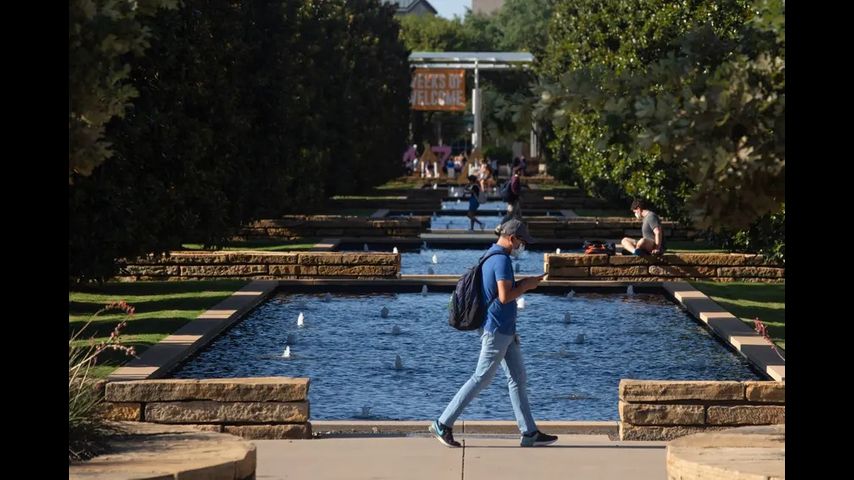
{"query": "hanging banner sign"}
(438, 89)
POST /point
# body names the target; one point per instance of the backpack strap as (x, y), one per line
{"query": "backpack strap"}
(486, 257)
(483, 260)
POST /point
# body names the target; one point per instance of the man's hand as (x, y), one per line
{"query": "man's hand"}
(530, 283)
(508, 293)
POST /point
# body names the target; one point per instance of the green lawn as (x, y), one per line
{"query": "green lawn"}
(687, 246)
(403, 182)
(161, 308)
(302, 244)
(747, 300)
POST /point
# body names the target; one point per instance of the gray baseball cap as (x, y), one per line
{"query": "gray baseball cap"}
(517, 228)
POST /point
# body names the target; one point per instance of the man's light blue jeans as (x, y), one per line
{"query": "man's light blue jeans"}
(496, 347)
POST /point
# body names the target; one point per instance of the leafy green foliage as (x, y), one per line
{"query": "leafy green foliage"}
(503, 154)
(245, 110)
(767, 236)
(102, 35)
(679, 102)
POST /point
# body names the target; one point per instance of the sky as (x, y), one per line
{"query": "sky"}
(449, 8)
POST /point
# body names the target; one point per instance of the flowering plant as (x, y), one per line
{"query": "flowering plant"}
(85, 424)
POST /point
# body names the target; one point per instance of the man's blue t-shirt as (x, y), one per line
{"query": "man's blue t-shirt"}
(499, 317)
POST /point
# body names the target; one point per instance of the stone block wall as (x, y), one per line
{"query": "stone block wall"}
(333, 226)
(253, 408)
(667, 409)
(679, 266)
(261, 265)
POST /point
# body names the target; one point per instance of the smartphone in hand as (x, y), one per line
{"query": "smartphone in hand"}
(535, 281)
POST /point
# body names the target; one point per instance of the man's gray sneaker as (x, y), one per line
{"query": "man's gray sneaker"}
(538, 439)
(444, 434)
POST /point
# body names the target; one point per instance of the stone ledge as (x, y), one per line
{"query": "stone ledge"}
(661, 414)
(739, 453)
(147, 451)
(673, 391)
(256, 389)
(259, 265)
(122, 412)
(746, 415)
(230, 412)
(758, 351)
(766, 392)
(694, 266)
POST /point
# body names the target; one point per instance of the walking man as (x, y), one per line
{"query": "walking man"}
(499, 341)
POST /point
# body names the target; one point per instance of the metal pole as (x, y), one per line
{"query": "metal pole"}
(476, 110)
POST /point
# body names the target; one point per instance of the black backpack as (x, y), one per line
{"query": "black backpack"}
(466, 311)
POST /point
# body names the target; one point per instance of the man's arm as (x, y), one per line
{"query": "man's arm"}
(508, 293)
(657, 247)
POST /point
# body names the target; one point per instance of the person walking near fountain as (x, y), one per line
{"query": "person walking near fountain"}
(473, 191)
(499, 341)
(511, 192)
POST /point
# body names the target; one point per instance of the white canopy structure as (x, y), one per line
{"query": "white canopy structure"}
(471, 60)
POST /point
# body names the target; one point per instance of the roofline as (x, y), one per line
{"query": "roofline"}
(413, 4)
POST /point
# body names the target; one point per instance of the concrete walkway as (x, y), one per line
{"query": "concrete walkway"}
(483, 457)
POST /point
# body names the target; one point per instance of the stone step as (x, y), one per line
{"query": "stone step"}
(152, 451)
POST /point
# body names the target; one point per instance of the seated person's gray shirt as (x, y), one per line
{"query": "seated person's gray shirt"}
(650, 221)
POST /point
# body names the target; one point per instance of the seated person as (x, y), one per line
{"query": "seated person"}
(487, 180)
(653, 235)
(449, 167)
(459, 161)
